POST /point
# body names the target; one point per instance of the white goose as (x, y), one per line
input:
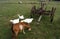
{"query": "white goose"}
(15, 21)
(28, 20)
(21, 17)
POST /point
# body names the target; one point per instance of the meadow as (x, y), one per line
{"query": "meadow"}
(44, 30)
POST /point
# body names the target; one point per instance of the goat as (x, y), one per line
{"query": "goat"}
(18, 26)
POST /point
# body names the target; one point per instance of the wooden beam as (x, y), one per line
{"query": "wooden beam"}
(39, 18)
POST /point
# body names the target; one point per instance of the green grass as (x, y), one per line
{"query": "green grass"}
(45, 30)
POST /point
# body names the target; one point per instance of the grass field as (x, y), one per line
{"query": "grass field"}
(45, 30)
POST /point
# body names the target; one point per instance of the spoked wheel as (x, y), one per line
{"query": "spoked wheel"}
(33, 11)
(52, 14)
